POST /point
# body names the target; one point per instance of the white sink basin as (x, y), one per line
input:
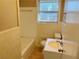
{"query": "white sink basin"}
(52, 46)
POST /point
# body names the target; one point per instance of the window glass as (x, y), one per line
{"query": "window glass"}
(48, 11)
(72, 6)
(48, 17)
(72, 11)
(48, 7)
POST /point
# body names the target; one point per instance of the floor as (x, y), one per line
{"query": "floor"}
(37, 54)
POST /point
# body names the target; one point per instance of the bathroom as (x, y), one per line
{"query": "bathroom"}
(22, 30)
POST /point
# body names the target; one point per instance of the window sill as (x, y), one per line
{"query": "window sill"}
(44, 22)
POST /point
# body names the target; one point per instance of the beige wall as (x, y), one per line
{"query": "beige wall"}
(34, 28)
(28, 22)
(43, 29)
(8, 14)
(10, 44)
(9, 31)
(31, 28)
(71, 27)
(71, 32)
(46, 29)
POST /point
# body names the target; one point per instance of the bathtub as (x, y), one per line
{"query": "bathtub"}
(27, 46)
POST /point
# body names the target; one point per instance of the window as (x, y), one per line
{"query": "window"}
(72, 6)
(72, 11)
(48, 11)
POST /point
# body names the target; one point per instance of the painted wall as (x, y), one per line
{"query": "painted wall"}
(71, 32)
(71, 27)
(28, 30)
(9, 32)
(31, 28)
(28, 22)
(10, 44)
(34, 28)
(46, 29)
(42, 30)
(8, 14)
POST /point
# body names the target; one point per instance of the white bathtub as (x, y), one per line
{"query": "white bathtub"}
(27, 46)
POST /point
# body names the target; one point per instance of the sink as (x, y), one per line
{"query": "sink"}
(54, 44)
(56, 50)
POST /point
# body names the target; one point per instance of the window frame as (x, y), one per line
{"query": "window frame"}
(46, 21)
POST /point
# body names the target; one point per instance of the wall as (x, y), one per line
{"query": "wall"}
(28, 22)
(30, 28)
(46, 30)
(71, 26)
(34, 28)
(9, 31)
(10, 44)
(71, 32)
(8, 14)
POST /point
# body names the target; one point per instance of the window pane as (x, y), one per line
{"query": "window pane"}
(48, 6)
(72, 18)
(72, 11)
(48, 17)
(72, 6)
(43, 16)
